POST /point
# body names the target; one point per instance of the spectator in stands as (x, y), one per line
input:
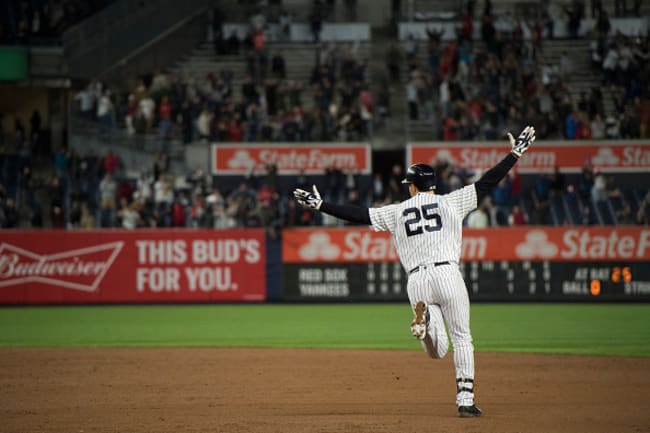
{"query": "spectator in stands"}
(478, 219)
(597, 128)
(571, 126)
(10, 214)
(575, 13)
(105, 111)
(110, 162)
(412, 98)
(87, 220)
(378, 189)
(163, 195)
(643, 214)
(107, 194)
(625, 216)
(584, 127)
(127, 214)
(612, 128)
(629, 126)
(501, 196)
(586, 181)
(178, 218)
(61, 163)
(147, 108)
(540, 212)
(410, 48)
(165, 119)
(543, 186)
(517, 217)
(599, 188)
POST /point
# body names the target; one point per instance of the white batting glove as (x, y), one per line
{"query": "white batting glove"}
(308, 199)
(523, 142)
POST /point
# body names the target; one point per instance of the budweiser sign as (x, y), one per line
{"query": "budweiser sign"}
(80, 269)
(132, 266)
(557, 244)
(290, 159)
(570, 156)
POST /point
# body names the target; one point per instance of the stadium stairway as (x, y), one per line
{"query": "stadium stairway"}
(583, 77)
(300, 59)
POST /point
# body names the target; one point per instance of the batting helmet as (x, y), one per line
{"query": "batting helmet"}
(422, 176)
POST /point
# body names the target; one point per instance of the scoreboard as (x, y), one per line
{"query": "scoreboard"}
(486, 280)
(557, 280)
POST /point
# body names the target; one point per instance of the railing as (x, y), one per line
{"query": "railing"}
(110, 36)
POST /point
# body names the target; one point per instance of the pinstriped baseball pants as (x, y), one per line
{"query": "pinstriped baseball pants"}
(444, 285)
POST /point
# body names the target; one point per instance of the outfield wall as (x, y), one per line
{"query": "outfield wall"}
(313, 264)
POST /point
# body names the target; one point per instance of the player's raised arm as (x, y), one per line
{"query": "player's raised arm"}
(492, 177)
(313, 200)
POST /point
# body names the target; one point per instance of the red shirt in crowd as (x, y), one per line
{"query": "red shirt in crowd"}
(178, 215)
(475, 108)
(449, 133)
(518, 217)
(264, 195)
(165, 110)
(110, 162)
(584, 131)
(235, 132)
(258, 41)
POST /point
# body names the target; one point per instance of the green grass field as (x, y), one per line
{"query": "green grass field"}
(612, 329)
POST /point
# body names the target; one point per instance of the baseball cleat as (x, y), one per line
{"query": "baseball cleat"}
(469, 411)
(419, 323)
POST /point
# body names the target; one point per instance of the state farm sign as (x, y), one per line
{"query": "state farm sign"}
(240, 159)
(543, 156)
(132, 266)
(337, 245)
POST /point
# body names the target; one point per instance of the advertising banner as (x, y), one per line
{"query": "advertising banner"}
(291, 159)
(360, 245)
(140, 266)
(536, 263)
(570, 156)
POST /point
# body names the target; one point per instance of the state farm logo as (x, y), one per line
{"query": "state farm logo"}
(241, 159)
(585, 244)
(319, 246)
(81, 269)
(536, 245)
(444, 155)
(347, 246)
(605, 156)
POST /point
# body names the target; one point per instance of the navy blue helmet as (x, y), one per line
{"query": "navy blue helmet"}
(422, 176)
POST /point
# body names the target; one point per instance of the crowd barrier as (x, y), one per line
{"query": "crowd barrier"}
(313, 264)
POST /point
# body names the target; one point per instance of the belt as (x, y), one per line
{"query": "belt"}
(417, 268)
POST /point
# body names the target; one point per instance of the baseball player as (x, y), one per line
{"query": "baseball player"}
(427, 233)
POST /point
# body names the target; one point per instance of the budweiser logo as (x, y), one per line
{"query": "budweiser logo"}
(82, 269)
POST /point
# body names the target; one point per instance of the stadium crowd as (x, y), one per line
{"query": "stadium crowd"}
(335, 104)
(472, 90)
(94, 191)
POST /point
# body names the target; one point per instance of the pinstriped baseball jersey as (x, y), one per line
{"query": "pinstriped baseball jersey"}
(427, 228)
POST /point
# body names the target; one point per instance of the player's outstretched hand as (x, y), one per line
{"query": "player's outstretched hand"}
(308, 199)
(523, 142)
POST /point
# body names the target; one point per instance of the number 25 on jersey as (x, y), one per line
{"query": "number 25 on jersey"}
(414, 223)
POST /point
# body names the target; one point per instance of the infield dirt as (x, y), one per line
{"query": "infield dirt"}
(81, 390)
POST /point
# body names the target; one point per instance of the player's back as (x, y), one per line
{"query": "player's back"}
(427, 228)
